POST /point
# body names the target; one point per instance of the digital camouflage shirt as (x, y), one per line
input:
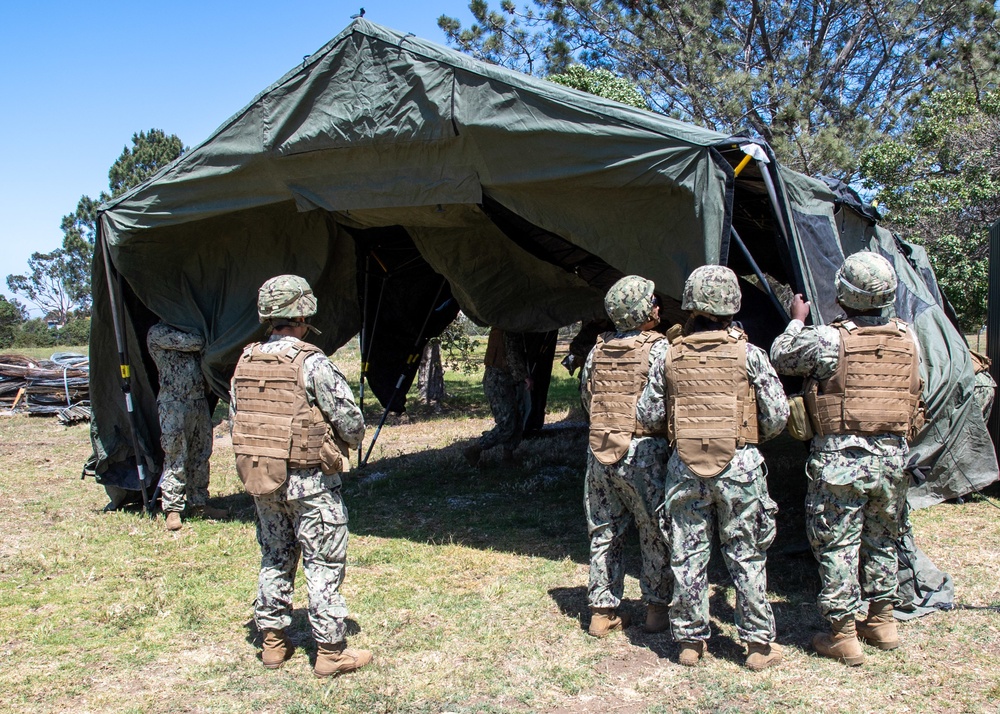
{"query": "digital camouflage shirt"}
(177, 357)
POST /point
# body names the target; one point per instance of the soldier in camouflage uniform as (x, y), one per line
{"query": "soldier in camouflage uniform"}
(625, 461)
(300, 511)
(505, 372)
(857, 486)
(185, 423)
(716, 473)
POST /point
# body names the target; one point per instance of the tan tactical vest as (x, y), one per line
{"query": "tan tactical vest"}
(876, 388)
(711, 404)
(276, 428)
(618, 374)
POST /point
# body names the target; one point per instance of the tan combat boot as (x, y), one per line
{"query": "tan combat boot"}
(761, 656)
(337, 659)
(173, 521)
(691, 653)
(277, 649)
(604, 620)
(657, 618)
(841, 644)
(879, 628)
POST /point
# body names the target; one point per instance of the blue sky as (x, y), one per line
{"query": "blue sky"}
(80, 78)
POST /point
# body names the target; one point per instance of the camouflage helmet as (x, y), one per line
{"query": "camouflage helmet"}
(866, 281)
(629, 302)
(713, 290)
(285, 296)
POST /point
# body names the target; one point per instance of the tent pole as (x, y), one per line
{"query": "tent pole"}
(773, 195)
(760, 275)
(413, 359)
(366, 354)
(126, 370)
(364, 366)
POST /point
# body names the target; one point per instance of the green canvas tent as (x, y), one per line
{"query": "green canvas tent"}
(396, 174)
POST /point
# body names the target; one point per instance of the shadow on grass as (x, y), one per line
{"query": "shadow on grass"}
(535, 508)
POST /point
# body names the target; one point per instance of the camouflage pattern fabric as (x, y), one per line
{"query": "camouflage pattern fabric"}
(629, 302)
(629, 490)
(815, 352)
(712, 289)
(772, 404)
(854, 509)
(285, 296)
(856, 484)
(745, 513)
(504, 391)
(306, 515)
(314, 527)
(505, 404)
(865, 281)
(736, 501)
(186, 438)
(185, 421)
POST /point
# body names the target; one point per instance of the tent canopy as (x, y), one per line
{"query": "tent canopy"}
(404, 181)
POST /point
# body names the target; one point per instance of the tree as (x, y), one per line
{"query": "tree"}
(430, 374)
(12, 314)
(150, 152)
(47, 284)
(602, 83)
(939, 184)
(459, 351)
(60, 281)
(818, 81)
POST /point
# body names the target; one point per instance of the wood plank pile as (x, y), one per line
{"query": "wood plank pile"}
(46, 387)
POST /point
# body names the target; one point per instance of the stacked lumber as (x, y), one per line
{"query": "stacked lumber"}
(46, 387)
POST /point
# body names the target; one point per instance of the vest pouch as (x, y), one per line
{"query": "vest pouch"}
(799, 425)
(261, 475)
(918, 422)
(333, 455)
(609, 446)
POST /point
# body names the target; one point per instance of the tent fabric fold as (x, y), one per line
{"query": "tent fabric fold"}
(523, 198)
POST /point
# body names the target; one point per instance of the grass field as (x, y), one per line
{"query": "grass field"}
(468, 585)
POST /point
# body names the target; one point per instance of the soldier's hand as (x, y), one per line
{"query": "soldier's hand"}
(529, 383)
(800, 307)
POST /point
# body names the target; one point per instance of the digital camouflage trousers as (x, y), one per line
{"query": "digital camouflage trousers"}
(186, 438)
(505, 404)
(854, 508)
(315, 528)
(744, 513)
(614, 496)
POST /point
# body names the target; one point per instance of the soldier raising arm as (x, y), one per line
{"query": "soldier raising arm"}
(862, 393)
